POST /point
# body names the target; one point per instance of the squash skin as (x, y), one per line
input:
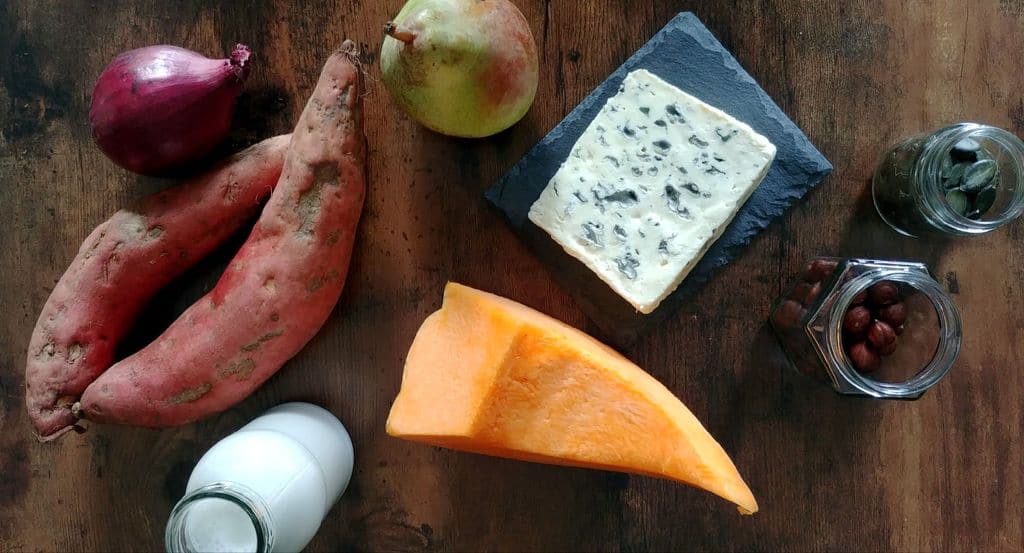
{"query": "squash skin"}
(516, 383)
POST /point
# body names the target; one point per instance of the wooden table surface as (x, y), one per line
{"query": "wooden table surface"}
(830, 473)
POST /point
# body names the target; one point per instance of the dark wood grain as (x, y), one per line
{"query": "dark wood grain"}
(830, 473)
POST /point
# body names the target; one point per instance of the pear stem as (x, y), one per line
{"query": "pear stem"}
(392, 31)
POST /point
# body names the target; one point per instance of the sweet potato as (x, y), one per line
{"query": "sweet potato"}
(123, 263)
(278, 290)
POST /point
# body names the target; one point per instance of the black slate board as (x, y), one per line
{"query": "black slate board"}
(687, 55)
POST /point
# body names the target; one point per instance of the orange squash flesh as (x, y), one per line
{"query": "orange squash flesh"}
(488, 375)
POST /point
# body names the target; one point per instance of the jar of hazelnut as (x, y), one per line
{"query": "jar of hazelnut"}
(962, 180)
(883, 329)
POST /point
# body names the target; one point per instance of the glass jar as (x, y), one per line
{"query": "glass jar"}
(962, 180)
(267, 487)
(883, 329)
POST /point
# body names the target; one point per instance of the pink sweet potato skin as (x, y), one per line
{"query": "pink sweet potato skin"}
(278, 290)
(123, 263)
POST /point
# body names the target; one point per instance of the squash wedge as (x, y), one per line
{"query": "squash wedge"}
(489, 375)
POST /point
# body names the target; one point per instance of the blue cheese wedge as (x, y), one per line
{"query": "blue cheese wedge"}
(649, 185)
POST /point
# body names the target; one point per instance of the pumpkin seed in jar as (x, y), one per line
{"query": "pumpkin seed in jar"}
(983, 202)
(965, 150)
(947, 166)
(957, 201)
(979, 175)
(955, 174)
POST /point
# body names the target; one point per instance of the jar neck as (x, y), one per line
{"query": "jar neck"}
(929, 191)
(946, 353)
(221, 516)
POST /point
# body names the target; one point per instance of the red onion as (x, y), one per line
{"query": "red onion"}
(157, 108)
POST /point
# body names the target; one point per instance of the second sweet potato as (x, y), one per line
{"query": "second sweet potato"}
(277, 291)
(123, 263)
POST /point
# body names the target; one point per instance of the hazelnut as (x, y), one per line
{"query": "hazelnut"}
(812, 294)
(787, 314)
(857, 320)
(818, 270)
(883, 293)
(863, 358)
(800, 291)
(888, 349)
(893, 314)
(880, 334)
(860, 298)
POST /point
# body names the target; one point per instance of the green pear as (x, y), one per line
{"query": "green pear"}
(461, 67)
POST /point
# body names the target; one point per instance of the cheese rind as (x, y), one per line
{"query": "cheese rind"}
(649, 185)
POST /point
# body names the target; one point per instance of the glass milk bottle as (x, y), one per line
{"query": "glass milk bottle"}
(267, 487)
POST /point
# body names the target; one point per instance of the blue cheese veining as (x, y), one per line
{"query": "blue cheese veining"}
(649, 185)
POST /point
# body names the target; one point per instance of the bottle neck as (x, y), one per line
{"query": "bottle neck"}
(946, 353)
(930, 191)
(220, 517)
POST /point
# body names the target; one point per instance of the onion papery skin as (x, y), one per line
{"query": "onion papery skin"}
(157, 109)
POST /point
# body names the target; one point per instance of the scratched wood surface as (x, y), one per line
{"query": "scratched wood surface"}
(831, 473)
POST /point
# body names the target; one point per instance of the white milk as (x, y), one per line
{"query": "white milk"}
(266, 487)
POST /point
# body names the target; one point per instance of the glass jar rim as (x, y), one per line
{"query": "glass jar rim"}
(240, 496)
(929, 190)
(942, 360)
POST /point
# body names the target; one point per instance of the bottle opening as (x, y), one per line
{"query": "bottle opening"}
(215, 525)
(217, 518)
